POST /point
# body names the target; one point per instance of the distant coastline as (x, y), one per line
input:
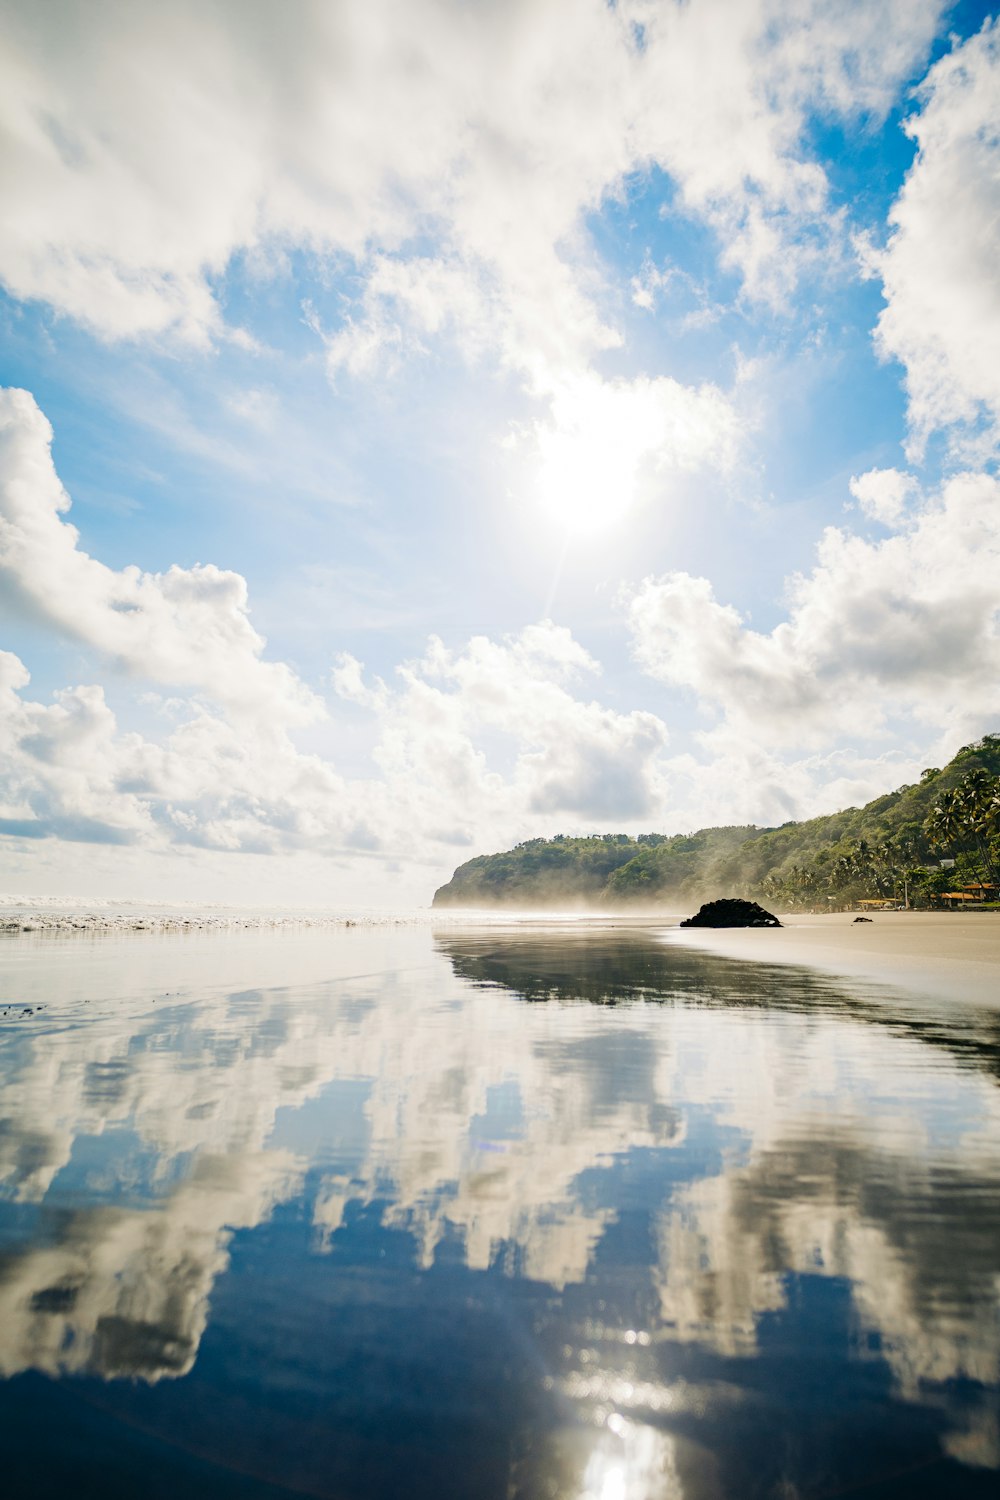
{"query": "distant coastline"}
(932, 843)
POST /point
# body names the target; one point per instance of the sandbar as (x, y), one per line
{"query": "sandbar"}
(954, 955)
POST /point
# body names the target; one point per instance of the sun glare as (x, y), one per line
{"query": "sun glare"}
(631, 1462)
(583, 485)
(592, 453)
(605, 1479)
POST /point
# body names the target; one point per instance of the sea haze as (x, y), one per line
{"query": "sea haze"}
(517, 1211)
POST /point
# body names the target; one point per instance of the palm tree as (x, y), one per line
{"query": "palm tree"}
(992, 813)
(803, 880)
(945, 822)
(885, 862)
(856, 865)
(976, 795)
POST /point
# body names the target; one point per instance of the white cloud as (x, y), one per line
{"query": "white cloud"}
(473, 742)
(904, 626)
(478, 743)
(145, 147)
(187, 627)
(347, 681)
(509, 705)
(497, 739)
(717, 95)
(405, 300)
(739, 778)
(650, 282)
(884, 494)
(67, 771)
(481, 745)
(62, 765)
(730, 86)
(446, 157)
(597, 436)
(939, 268)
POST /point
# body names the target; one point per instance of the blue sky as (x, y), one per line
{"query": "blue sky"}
(482, 422)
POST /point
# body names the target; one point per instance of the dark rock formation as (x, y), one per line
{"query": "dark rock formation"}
(862, 919)
(731, 912)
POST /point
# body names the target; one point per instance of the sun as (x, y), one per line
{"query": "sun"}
(582, 488)
(591, 454)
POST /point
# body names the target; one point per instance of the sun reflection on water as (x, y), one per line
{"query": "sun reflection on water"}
(631, 1461)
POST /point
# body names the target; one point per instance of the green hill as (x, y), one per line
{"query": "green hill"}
(845, 856)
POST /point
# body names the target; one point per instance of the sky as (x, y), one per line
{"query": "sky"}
(428, 426)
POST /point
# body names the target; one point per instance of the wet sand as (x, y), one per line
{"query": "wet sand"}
(949, 954)
(952, 955)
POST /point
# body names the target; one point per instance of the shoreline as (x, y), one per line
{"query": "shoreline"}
(120, 918)
(117, 923)
(951, 955)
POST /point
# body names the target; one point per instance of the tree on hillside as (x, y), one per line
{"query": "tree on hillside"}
(977, 796)
(968, 815)
(945, 822)
(875, 850)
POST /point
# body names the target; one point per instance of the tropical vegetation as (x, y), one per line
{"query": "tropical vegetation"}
(936, 840)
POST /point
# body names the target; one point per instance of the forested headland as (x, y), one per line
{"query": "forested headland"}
(935, 841)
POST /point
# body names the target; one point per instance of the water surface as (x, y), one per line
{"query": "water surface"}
(510, 1213)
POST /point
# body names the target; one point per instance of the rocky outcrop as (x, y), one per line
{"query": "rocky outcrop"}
(731, 912)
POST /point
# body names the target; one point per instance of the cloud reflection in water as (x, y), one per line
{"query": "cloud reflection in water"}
(702, 1202)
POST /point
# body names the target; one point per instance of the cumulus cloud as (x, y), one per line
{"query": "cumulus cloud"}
(883, 494)
(716, 95)
(187, 627)
(492, 740)
(939, 268)
(906, 625)
(149, 147)
(61, 765)
(740, 778)
(477, 742)
(741, 80)
(494, 736)
(473, 742)
(68, 771)
(446, 158)
(482, 743)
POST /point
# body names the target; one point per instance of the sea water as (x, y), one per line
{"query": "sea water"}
(573, 1212)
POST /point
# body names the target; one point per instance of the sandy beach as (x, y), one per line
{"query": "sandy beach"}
(953, 955)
